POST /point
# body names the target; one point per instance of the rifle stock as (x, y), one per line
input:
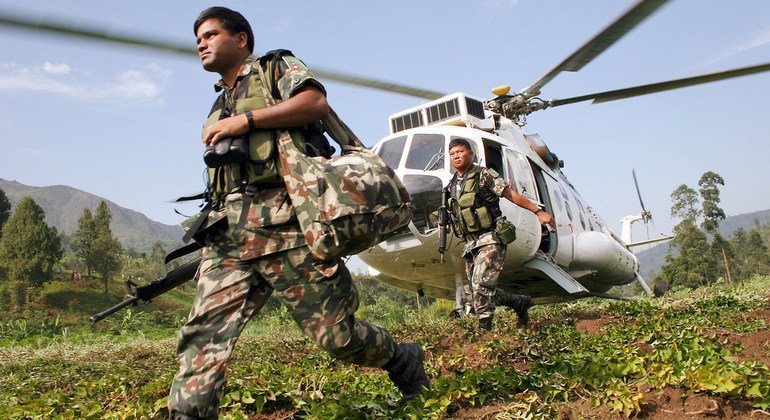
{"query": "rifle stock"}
(153, 289)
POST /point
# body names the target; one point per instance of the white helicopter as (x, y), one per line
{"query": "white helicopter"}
(581, 258)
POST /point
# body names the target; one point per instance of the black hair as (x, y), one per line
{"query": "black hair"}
(231, 20)
(458, 141)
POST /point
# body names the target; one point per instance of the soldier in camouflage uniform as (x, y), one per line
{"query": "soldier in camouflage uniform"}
(252, 242)
(484, 253)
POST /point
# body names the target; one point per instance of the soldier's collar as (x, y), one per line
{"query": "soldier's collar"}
(471, 170)
(243, 72)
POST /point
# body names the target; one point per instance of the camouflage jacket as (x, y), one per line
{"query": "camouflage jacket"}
(269, 223)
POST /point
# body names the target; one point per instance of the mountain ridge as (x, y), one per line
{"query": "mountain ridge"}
(64, 205)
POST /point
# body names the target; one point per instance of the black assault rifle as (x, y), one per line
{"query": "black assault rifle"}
(443, 224)
(159, 286)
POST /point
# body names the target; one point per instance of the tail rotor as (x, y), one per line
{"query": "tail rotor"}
(646, 216)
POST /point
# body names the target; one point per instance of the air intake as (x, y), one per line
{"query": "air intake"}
(443, 111)
(405, 122)
(456, 109)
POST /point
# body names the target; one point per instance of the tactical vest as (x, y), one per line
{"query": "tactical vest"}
(262, 166)
(474, 209)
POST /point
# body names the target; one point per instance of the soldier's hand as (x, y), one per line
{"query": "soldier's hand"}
(545, 219)
(224, 128)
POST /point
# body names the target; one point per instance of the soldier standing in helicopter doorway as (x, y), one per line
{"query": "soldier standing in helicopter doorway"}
(252, 242)
(474, 205)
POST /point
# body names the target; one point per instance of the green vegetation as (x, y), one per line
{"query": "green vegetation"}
(700, 256)
(29, 248)
(5, 210)
(95, 246)
(585, 358)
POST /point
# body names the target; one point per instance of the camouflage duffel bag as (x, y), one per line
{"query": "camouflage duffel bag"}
(345, 204)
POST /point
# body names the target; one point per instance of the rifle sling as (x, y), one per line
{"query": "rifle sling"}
(187, 249)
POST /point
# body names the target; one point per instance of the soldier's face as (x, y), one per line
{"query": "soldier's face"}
(461, 158)
(218, 49)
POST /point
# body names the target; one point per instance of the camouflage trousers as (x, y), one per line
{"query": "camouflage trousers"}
(319, 294)
(482, 269)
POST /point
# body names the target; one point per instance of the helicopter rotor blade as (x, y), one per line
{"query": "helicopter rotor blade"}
(613, 95)
(99, 34)
(600, 42)
(646, 216)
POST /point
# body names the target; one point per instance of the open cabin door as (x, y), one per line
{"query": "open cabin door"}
(554, 200)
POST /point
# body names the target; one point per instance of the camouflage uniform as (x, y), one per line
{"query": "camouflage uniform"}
(254, 246)
(483, 252)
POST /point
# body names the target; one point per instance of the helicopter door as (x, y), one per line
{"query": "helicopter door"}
(493, 156)
(550, 242)
(556, 203)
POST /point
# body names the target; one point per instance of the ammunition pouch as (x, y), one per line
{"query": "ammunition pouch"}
(505, 231)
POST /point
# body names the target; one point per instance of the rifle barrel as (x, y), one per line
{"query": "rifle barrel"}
(107, 312)
(155, 288)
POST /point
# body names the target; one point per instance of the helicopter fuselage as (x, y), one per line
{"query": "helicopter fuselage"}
(582, 257)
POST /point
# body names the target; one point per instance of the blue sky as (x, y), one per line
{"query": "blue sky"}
(124, 122)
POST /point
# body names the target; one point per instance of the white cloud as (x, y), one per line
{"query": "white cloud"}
(139, 85)
(56, 68)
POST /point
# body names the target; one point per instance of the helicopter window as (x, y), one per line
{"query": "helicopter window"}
(391, 150)
(566, 202)
(426, 152)
(582, 220)
(511, 177)
(494, 156)
(425, 191)
(581, 213)
(520, 174)
(569, 210)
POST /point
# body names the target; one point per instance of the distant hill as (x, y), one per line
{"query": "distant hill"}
(653, 259)
(64, 205)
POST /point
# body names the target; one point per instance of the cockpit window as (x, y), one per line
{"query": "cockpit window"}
(425, 191)
(391, 150)
(426, 152)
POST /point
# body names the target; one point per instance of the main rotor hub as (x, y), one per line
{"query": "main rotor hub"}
(515, 107)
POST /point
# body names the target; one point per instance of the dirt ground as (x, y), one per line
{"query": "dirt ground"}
(668, 403)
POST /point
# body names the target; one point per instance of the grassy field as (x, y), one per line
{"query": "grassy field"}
(691, 354)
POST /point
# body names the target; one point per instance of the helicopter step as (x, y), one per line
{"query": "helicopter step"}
(546, 265)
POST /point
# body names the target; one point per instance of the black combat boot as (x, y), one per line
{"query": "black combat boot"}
(519, 303)
(456, 314)
(485, 324)
(406, 370)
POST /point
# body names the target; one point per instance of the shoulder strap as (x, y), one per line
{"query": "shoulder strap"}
(337, 129)
(272, 57)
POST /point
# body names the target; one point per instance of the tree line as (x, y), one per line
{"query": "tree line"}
(32, 253)
(699, 255)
